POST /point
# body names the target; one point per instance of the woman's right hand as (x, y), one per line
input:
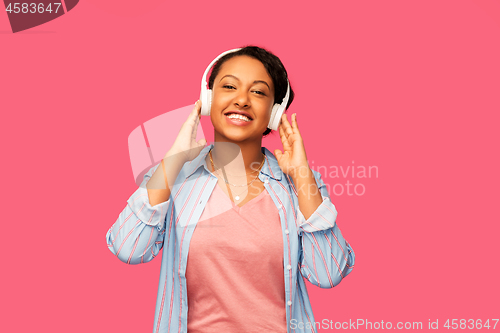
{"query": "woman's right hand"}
(185, 145)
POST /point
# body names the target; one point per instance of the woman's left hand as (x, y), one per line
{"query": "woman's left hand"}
(294, 157)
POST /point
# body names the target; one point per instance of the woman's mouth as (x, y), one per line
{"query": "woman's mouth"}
(238, 119)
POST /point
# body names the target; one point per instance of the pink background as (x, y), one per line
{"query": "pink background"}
(411, 87)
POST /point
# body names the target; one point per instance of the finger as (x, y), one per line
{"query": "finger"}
(198, 105)
(196, 115)
(192, 115)
(198, 112)
(281, 126)
(277, 154)
(196, 109)
(294, 123)
(282, 132)
(284, 139)
(286, 126)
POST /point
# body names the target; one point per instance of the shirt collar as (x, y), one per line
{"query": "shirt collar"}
(270, 167)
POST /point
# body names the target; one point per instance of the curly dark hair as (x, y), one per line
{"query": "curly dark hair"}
(273, 66)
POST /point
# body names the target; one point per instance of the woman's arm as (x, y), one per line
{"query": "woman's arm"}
(158, 185)
(326, 257)
(137, 235)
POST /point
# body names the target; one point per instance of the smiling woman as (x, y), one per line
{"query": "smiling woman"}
(240, 234)
(243, 95)
(274, 72)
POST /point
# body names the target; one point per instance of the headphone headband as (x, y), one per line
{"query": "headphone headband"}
(204, 78)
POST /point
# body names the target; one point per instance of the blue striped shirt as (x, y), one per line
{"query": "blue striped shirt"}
(313, 249)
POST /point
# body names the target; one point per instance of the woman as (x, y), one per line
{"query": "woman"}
(255, 224)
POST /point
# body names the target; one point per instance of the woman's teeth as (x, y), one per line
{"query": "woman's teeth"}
(238, 116)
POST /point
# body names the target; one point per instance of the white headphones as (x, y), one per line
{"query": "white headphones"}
(206, 97)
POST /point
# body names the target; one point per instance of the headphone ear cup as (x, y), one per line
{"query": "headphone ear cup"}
(206, 102)
(276, 114)
(209, 98)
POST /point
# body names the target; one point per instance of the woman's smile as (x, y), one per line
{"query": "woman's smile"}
(238, 118)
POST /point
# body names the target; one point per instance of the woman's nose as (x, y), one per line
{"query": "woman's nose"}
(242, 99)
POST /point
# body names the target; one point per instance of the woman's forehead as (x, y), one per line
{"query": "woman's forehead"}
(244, 67)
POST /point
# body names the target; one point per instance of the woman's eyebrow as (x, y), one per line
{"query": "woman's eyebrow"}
(254, 82)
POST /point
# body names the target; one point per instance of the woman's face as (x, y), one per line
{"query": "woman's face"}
(241, 86)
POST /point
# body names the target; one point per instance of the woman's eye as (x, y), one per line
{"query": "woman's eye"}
(228, 87)
(260, 92)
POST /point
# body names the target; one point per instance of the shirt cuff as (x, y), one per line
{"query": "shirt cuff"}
(150, 215)
(323, 218)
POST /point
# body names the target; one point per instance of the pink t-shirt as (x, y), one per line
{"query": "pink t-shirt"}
(234, 273)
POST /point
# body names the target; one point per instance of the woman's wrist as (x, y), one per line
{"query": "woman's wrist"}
(301, 172)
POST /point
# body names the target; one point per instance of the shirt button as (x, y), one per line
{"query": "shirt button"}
(286, 231)
(289, 302)
(266, 180)
(289, 267)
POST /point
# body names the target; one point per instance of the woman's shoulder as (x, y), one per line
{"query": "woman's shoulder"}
(190, 167)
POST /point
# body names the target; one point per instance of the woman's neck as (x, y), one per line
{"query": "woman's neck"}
(236, 158)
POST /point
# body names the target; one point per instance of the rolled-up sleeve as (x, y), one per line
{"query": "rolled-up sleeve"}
(137, 235)
(326, 257)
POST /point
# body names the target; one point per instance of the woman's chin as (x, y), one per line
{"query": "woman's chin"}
(238, 135)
